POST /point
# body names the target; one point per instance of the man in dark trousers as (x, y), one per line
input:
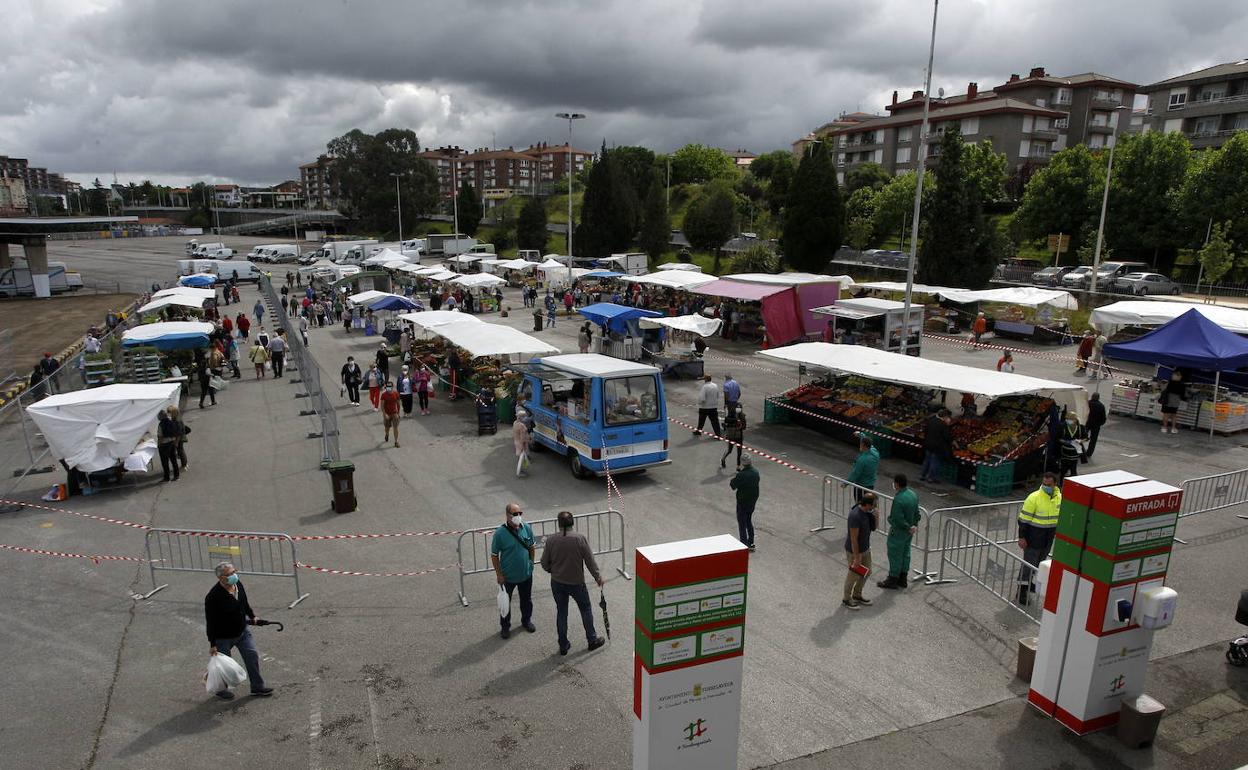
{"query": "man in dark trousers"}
(227, 614)
(860, 523)
(1037, 528)
(511, 553)
(1096, 421)
(746, 484)
(566, 556)
(903, 523)
(937, 445)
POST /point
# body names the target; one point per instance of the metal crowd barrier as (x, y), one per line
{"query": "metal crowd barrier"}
(263, 554)
(839, 495)
(604, 529)
(988, 565)
(1213, 493)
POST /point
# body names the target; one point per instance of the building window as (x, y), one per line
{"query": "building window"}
(1062, 123)
(1178, 100)
(1206, 127)
(970, 126)
(903, 133)
(1063, 96)
(903, 154)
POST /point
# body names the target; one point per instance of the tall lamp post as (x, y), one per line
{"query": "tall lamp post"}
(918, 186)
(455, 196)
(398, 196)
(570, 116)
(1100, 228)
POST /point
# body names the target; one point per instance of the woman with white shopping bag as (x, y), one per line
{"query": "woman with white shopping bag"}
(227, 614)
(520, 437)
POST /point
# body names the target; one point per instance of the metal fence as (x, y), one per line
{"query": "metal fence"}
(1213, 493)
(840, 495)
(8, 365)
(261, 554)
(987, 564)
(300, 361)
(604, 529)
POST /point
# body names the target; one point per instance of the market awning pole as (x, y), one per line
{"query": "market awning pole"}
(1217, 380)
(918, 187)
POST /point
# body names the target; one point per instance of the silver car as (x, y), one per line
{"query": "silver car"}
(1141, 284)
(1077, 278)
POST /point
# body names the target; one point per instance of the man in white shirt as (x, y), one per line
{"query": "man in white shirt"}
(708, 405)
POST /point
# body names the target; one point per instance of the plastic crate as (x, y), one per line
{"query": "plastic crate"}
(882, 445)
(995, 475)
(775, 412)
(949, 471)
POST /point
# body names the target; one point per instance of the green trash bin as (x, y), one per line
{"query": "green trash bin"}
(506, 407)
(342, 477)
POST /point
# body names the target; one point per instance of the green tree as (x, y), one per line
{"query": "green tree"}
(778, 184)
(608, 210)
(758, 258)
(97, 199)
(656, 225)
(199, 204)
(470, 211)
(814, 215)
(699, 164)
(1217, 257)
(766, 166)
(363, 166)
(634, 164)
(1062, 198)
(869, 175)
(860, 218)
(985, 171)
(956, 246)
(1149, 169)
(1214, 190)
(147, 192)
(531, 232)
(712, 219)
(894, 205)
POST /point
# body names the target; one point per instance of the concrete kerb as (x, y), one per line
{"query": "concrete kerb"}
(472, 547)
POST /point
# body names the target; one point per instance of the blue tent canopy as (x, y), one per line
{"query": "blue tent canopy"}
(1191, 340)
(602, 274)
(394, 303)
(198, 280)
(615, 317)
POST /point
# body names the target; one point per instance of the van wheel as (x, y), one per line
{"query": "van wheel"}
(574, 463)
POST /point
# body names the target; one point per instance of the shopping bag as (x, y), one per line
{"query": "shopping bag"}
(217, 383)
(223, 672)
(504, 602)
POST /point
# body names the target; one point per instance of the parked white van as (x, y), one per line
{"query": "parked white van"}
(283, 252)
(236, 269)
(256, 251)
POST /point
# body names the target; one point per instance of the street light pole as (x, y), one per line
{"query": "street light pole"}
(1100, 228)
(918, 186)
(570, 116)
(399, 206)
(455, 195)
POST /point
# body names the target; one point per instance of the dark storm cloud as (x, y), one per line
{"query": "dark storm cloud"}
(248, 90)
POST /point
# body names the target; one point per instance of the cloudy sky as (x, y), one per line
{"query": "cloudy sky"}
(242, 90)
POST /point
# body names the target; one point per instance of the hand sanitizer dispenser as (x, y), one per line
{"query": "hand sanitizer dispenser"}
(1041, 578)
(1157, 607)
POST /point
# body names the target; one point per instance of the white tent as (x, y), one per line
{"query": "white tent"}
(431, 319)
(395, 264)
(171, 329)
(671, 279)
(410, 267)
(384, 256)
(790, 279)
(551, 262)
(515, 264)
(186, 291)
(491, 265)
(1157, 312)
(466, 259)
(1030, 296)
(442, 275)
(925, 373)
(484, 339)
(174, 300)
(686, 266)
(366, 297)
(558, 276)
(477, 280)
(94, 429)
(698, 324)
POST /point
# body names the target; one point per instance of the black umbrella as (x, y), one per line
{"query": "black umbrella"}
(269, 623)
(606, 619)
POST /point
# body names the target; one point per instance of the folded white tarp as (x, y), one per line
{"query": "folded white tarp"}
(431, 319)
(477, 280)
(1030, 296)
(1157, 312)
(94, 429)
(698, 324)
(671, 279)
(186, 291)
(175, 300)
(365, 297)
(687, 266)
(925, 373)
(488, 340)
(791, 279)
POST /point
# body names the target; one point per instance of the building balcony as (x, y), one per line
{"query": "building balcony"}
(1204, 139)
(1106, 102)
(1094, 128)
(1050, 134)
(1039, 153)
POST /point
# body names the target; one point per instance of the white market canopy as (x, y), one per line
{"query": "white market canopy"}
(1029, 296)
(790, 279)
(671, 279)
(493, 262)
(925, 373)
(558, 275)
(395, 264)
(466, 259)
(152, 332)
(427, 270)
(441, 275)
(384, 256)
(431, 319)
(489, 340)
(372, 295)
(174, 300)
(1157, 312)
(94, 429)
(477, 280)
(686, 266)
(698, 324)
(551, 262)
(516, 264)
(410, 267)
(186, 291)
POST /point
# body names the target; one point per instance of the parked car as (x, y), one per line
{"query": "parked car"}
(1017, 269)
(1108, 272)
(1077, 278)
(1050, 276)
(1141, 284)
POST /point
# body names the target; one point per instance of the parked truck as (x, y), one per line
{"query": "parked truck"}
(629, 264)
(17, 281)
(449, 244)
(334, 250)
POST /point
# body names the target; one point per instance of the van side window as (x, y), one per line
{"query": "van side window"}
(630, 399)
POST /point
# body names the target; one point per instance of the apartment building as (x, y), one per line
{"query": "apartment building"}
(13, 202)
(493, 171)
(844, 120)
(444, 161)
(1207, 105)
(554, 161)
(742, 158)
(320, 187)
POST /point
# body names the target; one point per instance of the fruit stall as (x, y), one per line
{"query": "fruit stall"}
(997, 444)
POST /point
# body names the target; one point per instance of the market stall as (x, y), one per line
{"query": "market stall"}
(1110, 318)
(186, 291)
(676, 353)
(174, 300)
(386, 256)
(167, 336)
(1029, 312)
(1000, 440)
(430, 319)
(671, 279)
(623, 337)
(780, 303)
(875, 323)
(686, 266)
(1189, 342)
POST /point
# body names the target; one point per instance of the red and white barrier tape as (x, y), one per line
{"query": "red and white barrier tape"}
(104, 519)
(747, 448)
(749, 364)
(351, 573)
(965, 343)
(97, 558)
(436, 533)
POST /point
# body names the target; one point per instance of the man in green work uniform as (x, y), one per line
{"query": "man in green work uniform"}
(865, 467)
(903, 522)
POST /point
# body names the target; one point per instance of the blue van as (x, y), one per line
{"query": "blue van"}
(600, 412)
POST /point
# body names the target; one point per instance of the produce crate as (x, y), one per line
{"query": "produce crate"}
(949, 471)
(995, 480)
(1124, 400)
(882, 445)
(506, 409)
(774, 412)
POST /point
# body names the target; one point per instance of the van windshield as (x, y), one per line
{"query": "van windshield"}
(630, 400)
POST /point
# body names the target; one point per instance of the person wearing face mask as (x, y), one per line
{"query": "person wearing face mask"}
(1071, 446)
(1037, 526)
(227, 614)
(511, 553)
(390, 412)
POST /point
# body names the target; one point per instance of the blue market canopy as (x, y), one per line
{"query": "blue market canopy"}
(173, 335)
(1191, 340)
(198, 279)
(393, 302)
(602, 274)
(615, 317)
